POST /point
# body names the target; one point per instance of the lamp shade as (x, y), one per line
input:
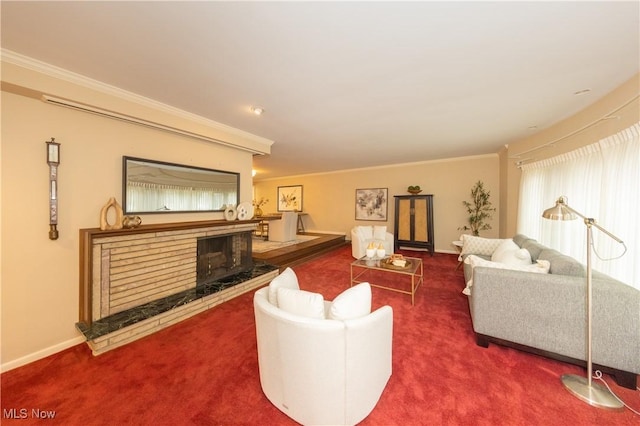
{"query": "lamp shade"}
(560, 211)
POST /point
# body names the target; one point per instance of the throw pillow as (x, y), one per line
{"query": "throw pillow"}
(301, 302)
(541, 267)
(354, 302)
(379, 233)
(365, 232)
(287, 279)
(479, 245)
(509, 253)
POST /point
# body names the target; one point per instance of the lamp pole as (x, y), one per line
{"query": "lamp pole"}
(583, 388)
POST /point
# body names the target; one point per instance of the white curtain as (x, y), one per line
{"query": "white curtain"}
(146, 197)
(601, 181)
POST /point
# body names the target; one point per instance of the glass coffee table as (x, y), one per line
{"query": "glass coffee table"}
(364, 266)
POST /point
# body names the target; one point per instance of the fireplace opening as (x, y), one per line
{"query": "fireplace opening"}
(221, 256)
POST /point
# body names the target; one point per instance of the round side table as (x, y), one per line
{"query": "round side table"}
(458, 245)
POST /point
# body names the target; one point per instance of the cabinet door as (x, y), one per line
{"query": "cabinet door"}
(420, 220)
(404, 219)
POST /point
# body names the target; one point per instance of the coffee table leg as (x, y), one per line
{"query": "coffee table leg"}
(420, 282)
(413, 289)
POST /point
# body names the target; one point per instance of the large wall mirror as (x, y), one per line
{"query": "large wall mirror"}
(157, 187)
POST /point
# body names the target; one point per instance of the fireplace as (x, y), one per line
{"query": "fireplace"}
(220, 256)
(135, 282)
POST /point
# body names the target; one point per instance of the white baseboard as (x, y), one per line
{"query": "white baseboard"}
(426, 250)
(319, 231)
(43, 353)
(447, 251)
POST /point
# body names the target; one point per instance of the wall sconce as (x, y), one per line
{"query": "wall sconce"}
(53, 159)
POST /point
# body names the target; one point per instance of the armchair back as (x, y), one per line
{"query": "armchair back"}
(322, 371)
(284, 229)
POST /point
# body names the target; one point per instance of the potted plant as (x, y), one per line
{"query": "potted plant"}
(258, 206)
(479, 209)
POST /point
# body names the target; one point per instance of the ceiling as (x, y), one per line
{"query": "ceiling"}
(347, 84)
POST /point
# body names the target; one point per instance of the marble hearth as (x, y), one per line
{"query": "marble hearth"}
(136, 282)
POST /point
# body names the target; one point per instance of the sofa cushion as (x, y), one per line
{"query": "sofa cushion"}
(520, 239)
(354, 302)
(301, 302)
(534, 248)
(508, 252)
(541, 267)
(479, 245)
(287, 279)
(562, 264)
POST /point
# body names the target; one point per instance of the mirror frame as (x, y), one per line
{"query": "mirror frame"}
(173, 166)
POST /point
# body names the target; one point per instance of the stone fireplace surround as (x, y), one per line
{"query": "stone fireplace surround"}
(134, 282)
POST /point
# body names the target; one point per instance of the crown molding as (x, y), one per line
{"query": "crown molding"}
(382, 166)
(53, 71)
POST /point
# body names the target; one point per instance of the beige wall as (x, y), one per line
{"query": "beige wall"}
(39, 276)
(329, 199)
(581, 129)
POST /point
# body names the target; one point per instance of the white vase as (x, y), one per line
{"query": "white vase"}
(380, 253)
(370, 253)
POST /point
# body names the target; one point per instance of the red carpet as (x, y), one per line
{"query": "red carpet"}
(204, 371)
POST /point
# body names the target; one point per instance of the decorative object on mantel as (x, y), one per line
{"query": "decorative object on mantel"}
(53, 159)
(104, 223)
(258, 205)
(230, 213)
(479, 210)
(131, 222)
(244, 210)
(414, 189)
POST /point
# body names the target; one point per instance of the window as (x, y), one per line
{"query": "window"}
(601, 181)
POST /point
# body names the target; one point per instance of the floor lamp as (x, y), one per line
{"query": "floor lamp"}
(581, 387)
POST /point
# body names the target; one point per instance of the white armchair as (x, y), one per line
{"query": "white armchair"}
(284, 229)
(361, 236)
(322, 371)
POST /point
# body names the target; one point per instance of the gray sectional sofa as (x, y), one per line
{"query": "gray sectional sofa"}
(546, 313)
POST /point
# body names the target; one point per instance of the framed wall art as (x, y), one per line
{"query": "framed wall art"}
(290, 198)
(371, 204)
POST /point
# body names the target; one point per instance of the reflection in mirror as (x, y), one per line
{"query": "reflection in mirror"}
(157, 187)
